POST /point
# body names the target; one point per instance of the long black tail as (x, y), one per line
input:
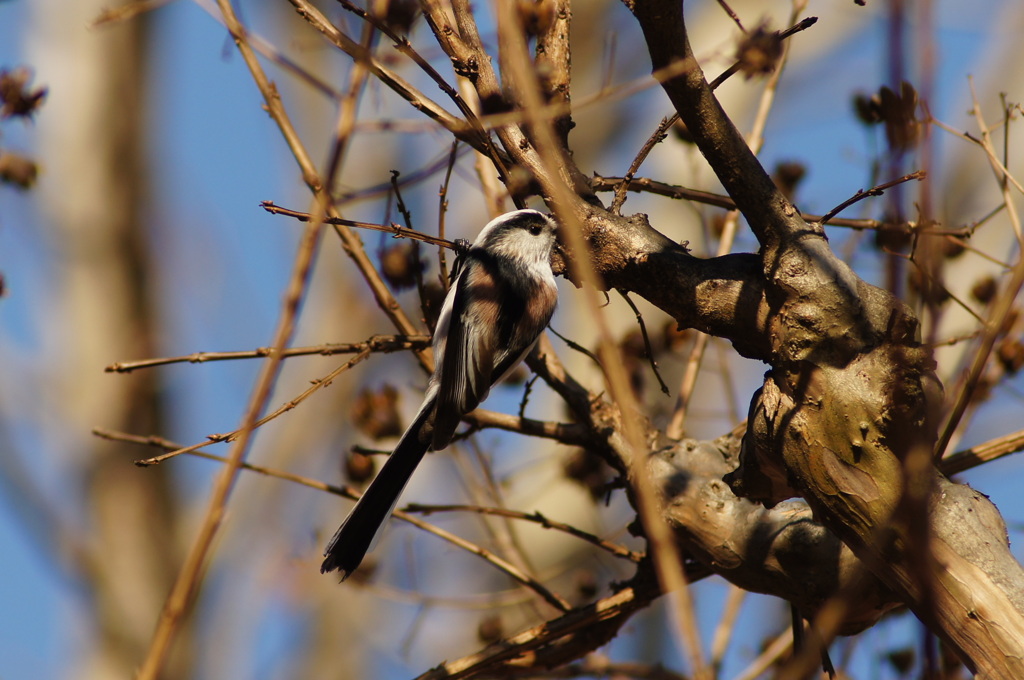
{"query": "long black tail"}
(358, 533)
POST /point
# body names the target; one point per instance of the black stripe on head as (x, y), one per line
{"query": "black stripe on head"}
(531, 221)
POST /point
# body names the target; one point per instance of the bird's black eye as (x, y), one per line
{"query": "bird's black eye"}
(536, 229)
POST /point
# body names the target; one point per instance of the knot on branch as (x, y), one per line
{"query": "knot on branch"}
(780, 551)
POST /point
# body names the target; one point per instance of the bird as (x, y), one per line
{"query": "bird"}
(502, 298)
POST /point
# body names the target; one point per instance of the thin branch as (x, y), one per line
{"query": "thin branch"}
(962, 461)
(626, 90)
(573, 345)
(598, 666)
(377, 343)
(511, 570)
(877, 190)
(536, 518)
(442, 210)
(732, 14)
(660, 133)
(348, 492)
(351, 244)
(647, 340)
(617, 607)
(527, 390)
(458, 127)
(403, 45)
(726, 626)
(935, 281)
(271, 52)
(417, 266)
(1001, 309)
(769, 657)
(657, 136)
(463, 45)
(570, 434)
(801, 25)
(395, 230)
(168, 445)
(989, 150)
(375, 191)
(284, 408)
(645, 184)
(676, 427)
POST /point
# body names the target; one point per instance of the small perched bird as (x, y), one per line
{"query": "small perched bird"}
(503, 296)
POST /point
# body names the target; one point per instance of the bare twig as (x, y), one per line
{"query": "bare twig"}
(660, 133)
(284, 408)
(770, 656)
(675, 191)
(982, 453)
(726, 626)
(350, 242)
(535, 517)
(570, 434)
(374, 191)
(657, 136)
(376, 343)
(395, 230)
(349, 492)
(271, 52)
(936, 281)
(442, 210)
(514, 572)
(647, 340)
(403, 45)
(458, 127)
(1003, 305)
(617, 607)
(599, 666)
(801, 25)
(573, 345)
(877, 190)
(732, 14)
(989, 150)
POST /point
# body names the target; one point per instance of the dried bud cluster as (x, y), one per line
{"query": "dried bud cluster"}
(16, 98)
(398, 15)
(400, 265)
(17, 170)
(758, 52)
(897, 110)
(375, 412)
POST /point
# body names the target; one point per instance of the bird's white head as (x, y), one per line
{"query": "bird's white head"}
(524, 235)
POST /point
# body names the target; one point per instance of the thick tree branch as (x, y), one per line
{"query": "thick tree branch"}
(770, 214)
(554, 61)
(780, 551)
(847, 415)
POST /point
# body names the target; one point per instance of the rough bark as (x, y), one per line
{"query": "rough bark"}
(780, 551)
(846, 415)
